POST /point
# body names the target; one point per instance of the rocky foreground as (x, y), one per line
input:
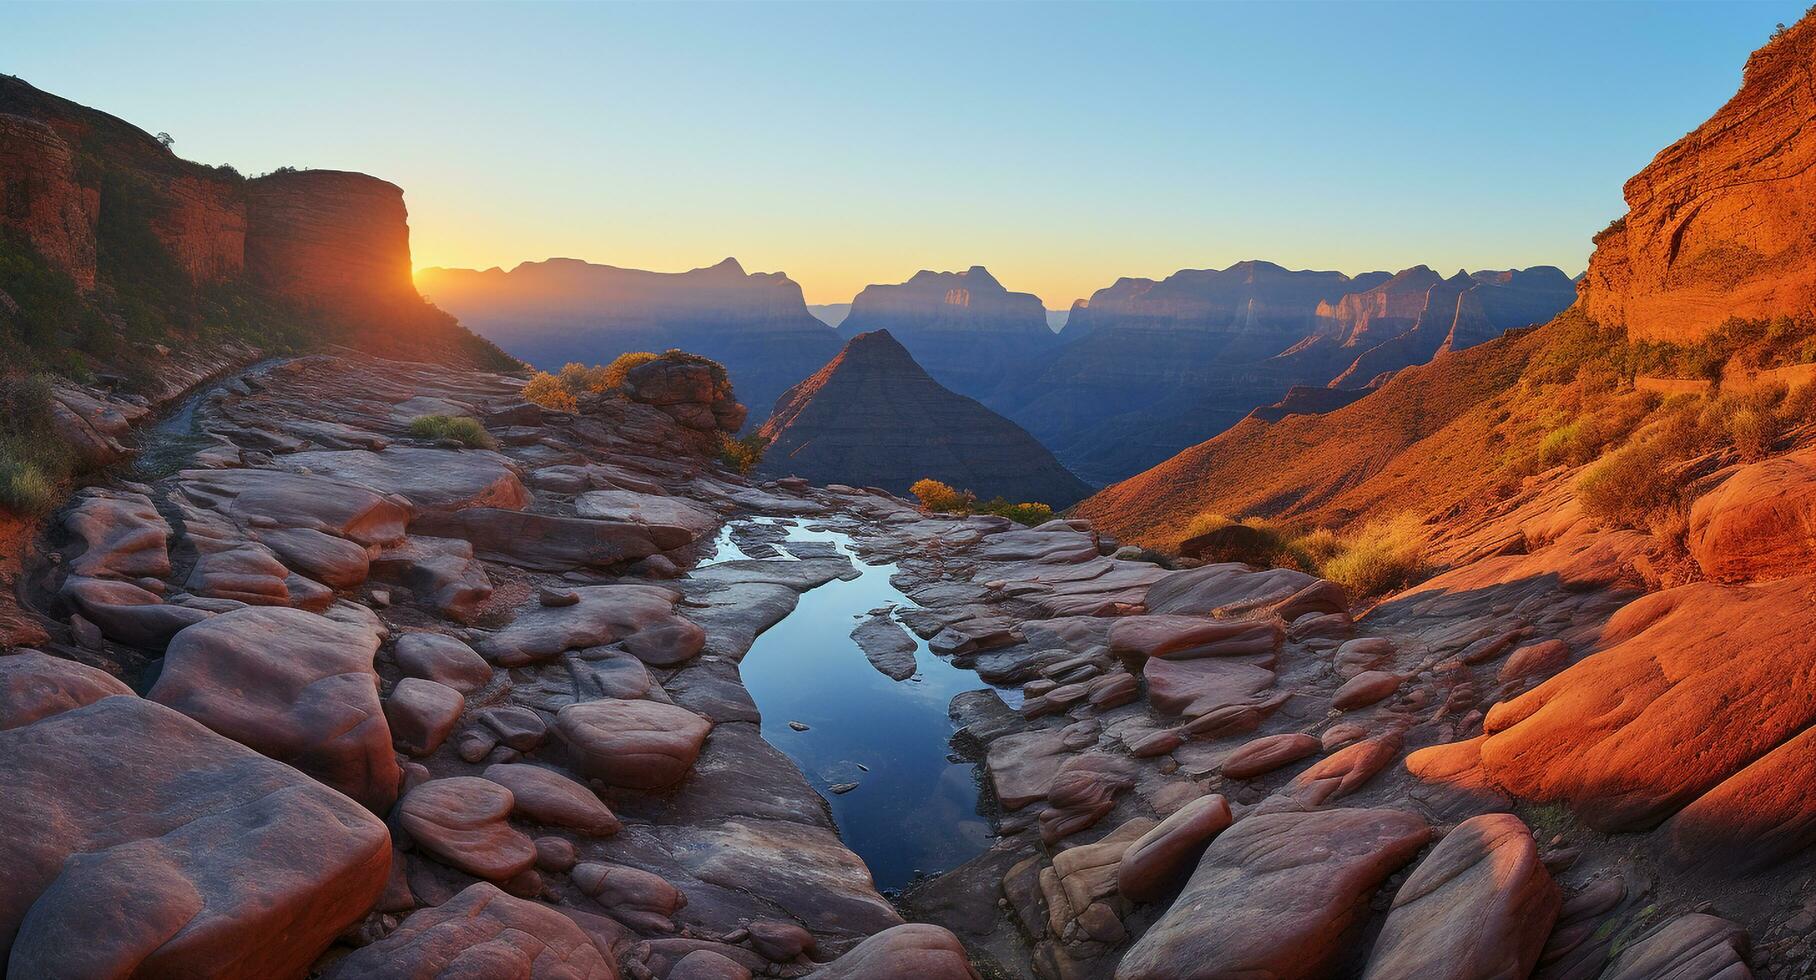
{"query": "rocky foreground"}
(331, 700)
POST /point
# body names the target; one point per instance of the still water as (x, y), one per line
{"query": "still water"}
(915, 805)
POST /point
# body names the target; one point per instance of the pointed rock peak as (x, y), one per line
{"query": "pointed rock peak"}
(979, 274)
(1418, 275)
(875, 346)
(729, 267)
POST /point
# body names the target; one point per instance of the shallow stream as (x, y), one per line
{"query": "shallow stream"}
(914, 809)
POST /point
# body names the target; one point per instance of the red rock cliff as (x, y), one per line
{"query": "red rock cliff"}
(329, 239)
(1719, 223)
(41, 199)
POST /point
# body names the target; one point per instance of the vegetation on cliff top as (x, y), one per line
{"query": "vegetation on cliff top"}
(466, 431)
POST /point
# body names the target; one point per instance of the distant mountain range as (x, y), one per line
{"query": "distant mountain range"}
(1141, 370)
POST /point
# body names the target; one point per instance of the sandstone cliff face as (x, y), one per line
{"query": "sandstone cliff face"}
(1383, 311)
(41, 199)
(329, 238)
(1718, 224)
(872, 417)
(970, 333)
(561, 310)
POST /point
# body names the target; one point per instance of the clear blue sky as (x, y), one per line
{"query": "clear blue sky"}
(1061, 145)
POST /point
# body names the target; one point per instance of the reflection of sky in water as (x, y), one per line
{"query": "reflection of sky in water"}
(914, 809)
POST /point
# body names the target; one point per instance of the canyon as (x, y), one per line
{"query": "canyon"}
(295, 685)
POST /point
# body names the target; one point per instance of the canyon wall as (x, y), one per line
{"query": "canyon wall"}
(41, 200)
(329, 238)
(1718, 224)
(964, 328)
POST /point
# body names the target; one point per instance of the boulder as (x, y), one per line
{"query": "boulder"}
(599, 615)
(464, 822)
(638, 898)
(704, 964)
(1690, 946)
(547, 797)
(549, 542)
(886, 645)
(1260, 756)
(142, 844)
(1365, 689)
(276, 498)
(1344, 771)
(34, 685)
(1481, 904)
(422, 714)
(441, 571)
(1161, 858)
(128, 614)
(1277, 895)
(649, 510)
(1760, 523)
(122, 536)
(481, 934)
(1136, 638)
(297, 687)
(430, 479)
(633, 744)
(916, 951)
(1197, 687)
(443, 659)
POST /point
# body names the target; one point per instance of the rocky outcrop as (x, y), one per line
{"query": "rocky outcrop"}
(972, 335)
(561, 310)
(41, 199)
(1717, 225)
(1361, 319)
(872, 417)
(330, 240)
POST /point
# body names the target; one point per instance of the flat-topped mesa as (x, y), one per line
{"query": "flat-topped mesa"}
(1255, 300)
(1718, 224)
(968, 331)
(561, 310)
(873, 417)
(329, 239)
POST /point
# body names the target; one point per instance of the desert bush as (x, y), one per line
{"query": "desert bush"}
(620, 368)
(742, 454)
(1752, 433)
(33, 460)
(1205, 523)
(940, 498)
(1628, 486)
(466, 431)
(1382, 556)
(547, 390)
(24, 489)
(1310, 552)
(1029, 514)
(579, 379)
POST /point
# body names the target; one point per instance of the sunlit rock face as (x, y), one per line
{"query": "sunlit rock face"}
(329, 238)
(1718, 224)
(872, 417)
(971, 334)
(561, 310)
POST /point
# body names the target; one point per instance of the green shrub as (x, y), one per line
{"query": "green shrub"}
(1030, 514)
(1380, 557)
(466, 431)
(23, 487)
(742, 454)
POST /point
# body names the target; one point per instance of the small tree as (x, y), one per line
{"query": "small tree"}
(165, 140)
(743, 454)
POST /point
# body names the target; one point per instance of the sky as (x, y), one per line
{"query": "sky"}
(1061, 145)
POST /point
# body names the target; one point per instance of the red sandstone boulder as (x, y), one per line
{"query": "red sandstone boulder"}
(1268, 753)
(443, 659)
(142, 844)
(916, 951)
(641, 616)
(481, 934)
(1137, 638)
(1693, 945)
(1760, 523)
(297, 687)
(1481, 904)
(1157, 862)
(422, 714)
(547, 797)
(34, 685)
(639, 899)
(1344, 771)
(634, 744)
(464, 822)
(1277, 895)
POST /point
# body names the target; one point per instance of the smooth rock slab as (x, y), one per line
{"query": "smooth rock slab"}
(430, 479)
(140, 843)
(1261, 756)
(443, 659)
(297, 687)
(633, 744)
(647, 509)
(1277, 896)
(481, 934)
(463, 821)
(1196, 687)
(1481, 904)
(600, 615)
(886, 645)
(1689, 947)
(34, 685)
(1160, 858)
(1365, 689)
(916, 951)
(422, 714)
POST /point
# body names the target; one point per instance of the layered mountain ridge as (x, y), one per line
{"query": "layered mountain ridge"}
(873, 417)
(561, 310)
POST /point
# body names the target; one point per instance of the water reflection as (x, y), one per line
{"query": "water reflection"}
(914, 808)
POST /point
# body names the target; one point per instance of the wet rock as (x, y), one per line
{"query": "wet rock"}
(888, 647)
(464, 822)
(297, 687)
(1693, 945)
(1261, 756)
(907, 952)
(1276, 895)
(443, 659)
(1163, 857)
(1481, 904)
(143, 844)
(422, 714)
(547, 797)
(634, 744)
(34, 685)
(481, 933)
